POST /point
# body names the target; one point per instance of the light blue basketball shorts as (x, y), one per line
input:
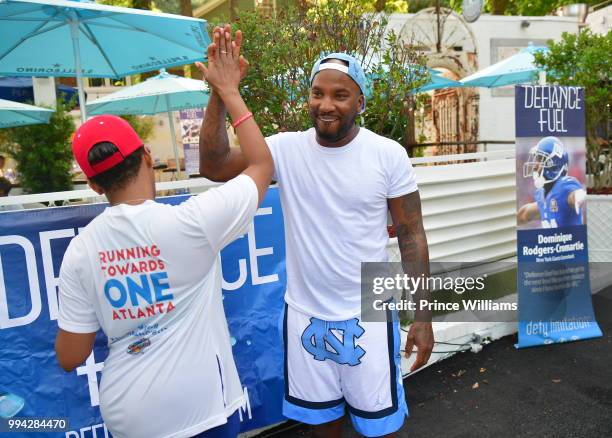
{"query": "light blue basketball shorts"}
(331, 366)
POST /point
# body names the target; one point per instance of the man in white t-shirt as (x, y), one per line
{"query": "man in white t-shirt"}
(337, 182)
(149, 276)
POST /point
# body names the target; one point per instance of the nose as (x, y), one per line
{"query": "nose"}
(326, 104)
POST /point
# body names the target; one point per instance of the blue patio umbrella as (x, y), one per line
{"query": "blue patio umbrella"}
(20, 89)
(437, 81)
(163, 93)
(516, 69)
(20, 114)
(85, 39)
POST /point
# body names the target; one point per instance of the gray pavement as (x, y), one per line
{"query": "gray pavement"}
(559, 391)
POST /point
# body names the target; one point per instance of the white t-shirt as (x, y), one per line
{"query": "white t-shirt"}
(335, 211)
(150, 276)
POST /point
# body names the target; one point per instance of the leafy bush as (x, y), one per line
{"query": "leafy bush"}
(43, 152)
(585, 60)
(282, 50)
(143, 125)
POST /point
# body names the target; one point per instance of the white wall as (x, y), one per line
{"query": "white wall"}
(496, 105)
(600, 21)
(496, 112)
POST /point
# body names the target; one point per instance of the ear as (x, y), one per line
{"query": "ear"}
(148, 158)
(360, 104)
(95, 187)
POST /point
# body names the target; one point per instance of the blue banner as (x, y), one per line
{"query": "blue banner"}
(554, 292)
(543, 110)
(32, 245)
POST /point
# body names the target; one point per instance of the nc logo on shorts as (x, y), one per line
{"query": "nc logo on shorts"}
(318, 336)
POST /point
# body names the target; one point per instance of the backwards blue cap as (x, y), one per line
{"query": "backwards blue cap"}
(354, 70)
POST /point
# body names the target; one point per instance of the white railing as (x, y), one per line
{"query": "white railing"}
(599, 219)
(468, 208)
(485, 156)
(196, 184)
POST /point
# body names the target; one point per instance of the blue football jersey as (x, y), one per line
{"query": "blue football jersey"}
(554, 209)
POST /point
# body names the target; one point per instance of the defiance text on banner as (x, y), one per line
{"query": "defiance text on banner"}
(32, 245)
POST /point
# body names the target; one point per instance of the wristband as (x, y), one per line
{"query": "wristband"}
(242, 119)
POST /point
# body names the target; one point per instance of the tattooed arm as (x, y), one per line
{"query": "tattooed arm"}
(408, 221)
(219, 162)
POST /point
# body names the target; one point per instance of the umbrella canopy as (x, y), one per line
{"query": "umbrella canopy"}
(517, 69)
(437, 81)
(19, 114)
(163, 93)
(20, 89)
(84, 39)
(159, 94)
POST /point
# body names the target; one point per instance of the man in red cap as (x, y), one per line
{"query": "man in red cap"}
(131, 272)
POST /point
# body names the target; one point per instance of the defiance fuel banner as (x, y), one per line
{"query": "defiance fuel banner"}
(32, 245)
(553, 272)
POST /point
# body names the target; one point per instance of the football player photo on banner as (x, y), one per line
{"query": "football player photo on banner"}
(554, 290)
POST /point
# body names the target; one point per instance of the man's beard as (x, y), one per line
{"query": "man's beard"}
(332, 137)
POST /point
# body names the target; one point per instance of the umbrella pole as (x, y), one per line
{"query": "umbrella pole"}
(174, 146)
(74, 32)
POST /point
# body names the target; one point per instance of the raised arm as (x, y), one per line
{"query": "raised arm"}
(407, 218)
(219, 162)
(223, 75)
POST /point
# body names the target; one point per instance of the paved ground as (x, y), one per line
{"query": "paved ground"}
(560, 391)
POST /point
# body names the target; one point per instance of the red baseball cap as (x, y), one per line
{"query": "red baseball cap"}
(107, 128)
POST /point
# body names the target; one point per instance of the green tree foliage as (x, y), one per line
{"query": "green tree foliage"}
(417, 5)
(183, 7)
(122, 3)
(501, 7)
(388, 6)
(143, 125)
(43, 152)
(283, 49)
(528, 7)
(585, 60)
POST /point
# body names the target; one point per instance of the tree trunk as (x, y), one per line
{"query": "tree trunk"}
(498, 7)
(141, 4)
(410, 133)
(190, 71)
(304, 5)
(266, 8)
(380, 5)
(186, 8)
(233, 9)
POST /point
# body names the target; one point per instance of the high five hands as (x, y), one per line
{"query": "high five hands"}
(226, 67)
